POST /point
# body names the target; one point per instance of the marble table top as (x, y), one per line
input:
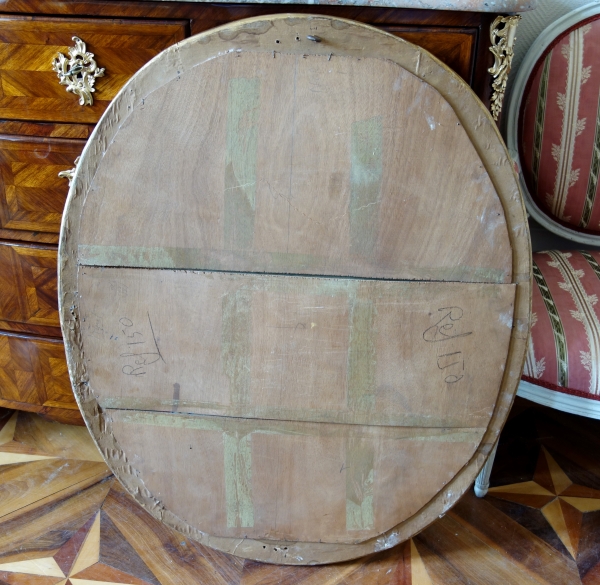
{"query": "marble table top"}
(495, 6)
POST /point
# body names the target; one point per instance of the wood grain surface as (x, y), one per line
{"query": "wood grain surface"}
(28, 285)
(31, 89)
(494, 540)
(34, 376)
(17, 128)
(319, 165)
(296, 348)
(455, 47)
(348, 353)
(439, 31)
(289, 166)
(32, 195)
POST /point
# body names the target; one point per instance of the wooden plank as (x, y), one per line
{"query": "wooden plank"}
(521, 547)
(156, 544)
(49, 524)
(308, 209)
(28, 488)
(479, 538)
(355, 475)
(454, 545)
(296, 348)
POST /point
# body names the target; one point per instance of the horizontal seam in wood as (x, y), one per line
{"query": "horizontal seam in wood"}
(285, 420)
(294, 275)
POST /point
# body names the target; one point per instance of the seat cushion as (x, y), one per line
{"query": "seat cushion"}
(564, 347)
(559, 136)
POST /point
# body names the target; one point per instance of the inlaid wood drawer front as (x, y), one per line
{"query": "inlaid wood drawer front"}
(30, 89)
(19, 128)
(28, 293)
(32, 195)
(34, 371)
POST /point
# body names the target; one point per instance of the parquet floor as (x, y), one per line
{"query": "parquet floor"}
(65, 520)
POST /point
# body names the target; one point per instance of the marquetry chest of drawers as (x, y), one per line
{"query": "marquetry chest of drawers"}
(44, 127)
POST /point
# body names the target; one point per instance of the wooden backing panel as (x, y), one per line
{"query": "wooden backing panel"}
(28, 285)
(313, 189)
(32, 195)
(296, 348)
(34, 370)
(482, 132)
(355, 479)
(512, 534)
(456, 47)
(272, 160)
(30, 88)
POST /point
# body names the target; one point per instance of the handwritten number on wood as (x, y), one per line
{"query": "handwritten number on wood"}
(445, 330)
(452, 379)
(139, 359)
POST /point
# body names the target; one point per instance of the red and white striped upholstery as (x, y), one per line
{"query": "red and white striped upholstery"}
(564, 347)
(559, 128)
(562, 366)
(553, 131)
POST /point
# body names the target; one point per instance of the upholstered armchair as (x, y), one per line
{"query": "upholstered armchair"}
(553, 135)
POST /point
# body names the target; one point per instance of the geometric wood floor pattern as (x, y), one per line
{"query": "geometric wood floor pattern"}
(65, 520)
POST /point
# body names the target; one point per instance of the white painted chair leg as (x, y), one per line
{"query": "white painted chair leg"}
(482, 482)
